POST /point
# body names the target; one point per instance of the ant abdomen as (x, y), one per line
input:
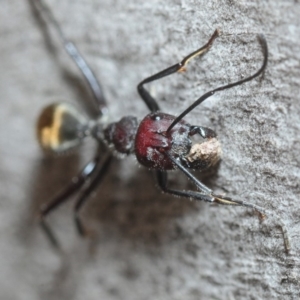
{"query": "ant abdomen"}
(60, 127)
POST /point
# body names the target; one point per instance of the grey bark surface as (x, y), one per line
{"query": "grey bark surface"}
(148, 245)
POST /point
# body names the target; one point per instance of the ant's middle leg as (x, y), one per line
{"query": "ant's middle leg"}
(75, 185)
(148, 99)
(88, 190)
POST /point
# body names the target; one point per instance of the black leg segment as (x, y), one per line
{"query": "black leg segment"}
(264, 46)
(145, 95)
(88, 190)
(215, 198)
(162, 178)
(77, 58)
(74, 186)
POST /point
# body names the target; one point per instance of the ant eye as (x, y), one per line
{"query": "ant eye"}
(156, 117)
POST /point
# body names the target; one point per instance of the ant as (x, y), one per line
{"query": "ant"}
(160, 141)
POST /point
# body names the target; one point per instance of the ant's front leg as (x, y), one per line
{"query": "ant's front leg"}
(215, 198)
(145, 95)
(209, 196)
(162, 179)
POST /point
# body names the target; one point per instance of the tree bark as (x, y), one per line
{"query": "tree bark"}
(147, 245)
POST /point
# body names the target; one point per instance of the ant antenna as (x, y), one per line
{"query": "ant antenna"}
(264, 46)
(75, 55)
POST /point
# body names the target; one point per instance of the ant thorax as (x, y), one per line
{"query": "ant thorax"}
(121, 134)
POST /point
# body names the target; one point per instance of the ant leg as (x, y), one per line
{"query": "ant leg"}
(215, 198)
(264, 46)
(210, 196)
(145, 95)
(162, 181)
(89, 75)
(162, 178)
(75, 185)
(88, 190)
(78, 59)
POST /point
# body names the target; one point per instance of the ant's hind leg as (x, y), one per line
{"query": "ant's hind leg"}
(88, 190)
(148, 99)
(77, 58)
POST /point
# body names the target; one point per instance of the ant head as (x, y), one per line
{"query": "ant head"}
(61, 127)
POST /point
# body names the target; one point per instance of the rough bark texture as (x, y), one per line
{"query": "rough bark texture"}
(148, 245)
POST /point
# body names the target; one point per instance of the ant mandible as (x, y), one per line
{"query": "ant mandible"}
(160, 141)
